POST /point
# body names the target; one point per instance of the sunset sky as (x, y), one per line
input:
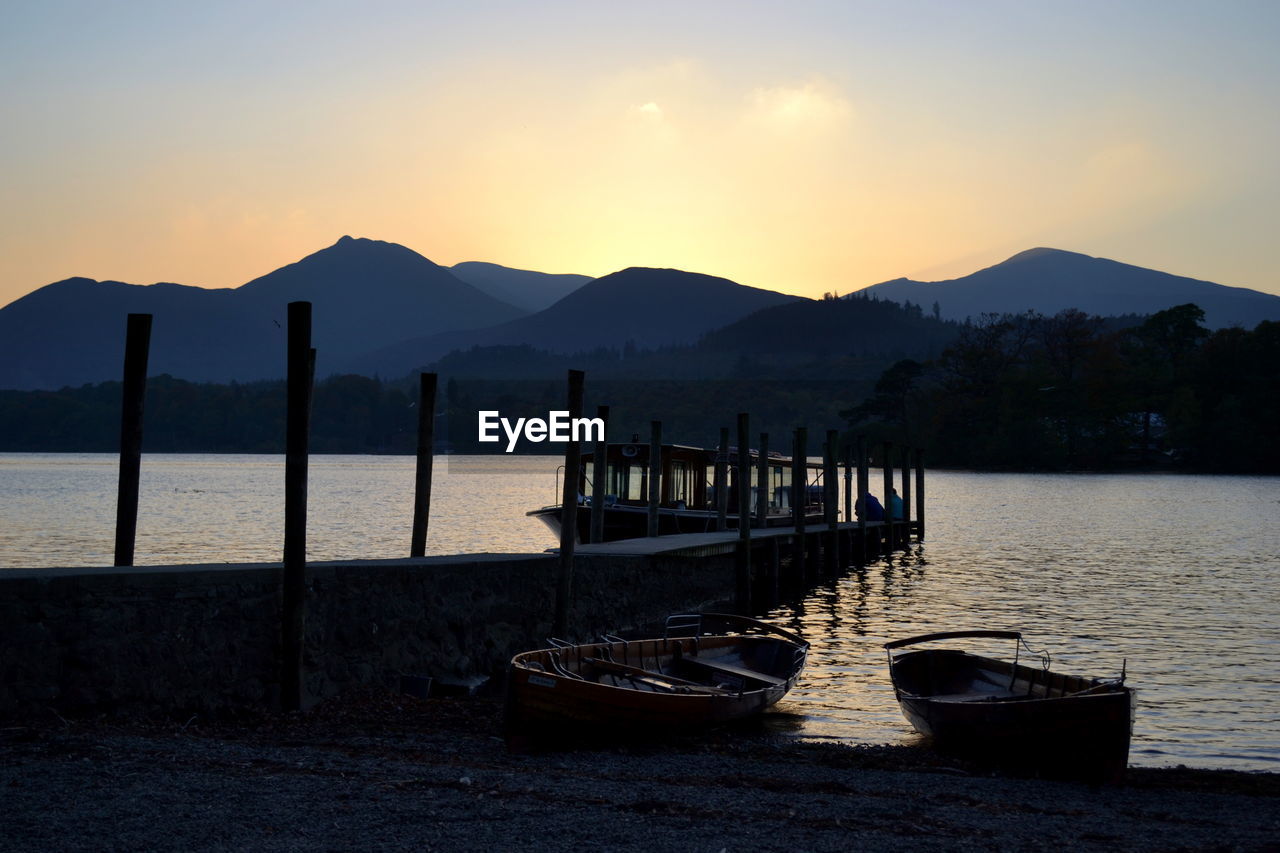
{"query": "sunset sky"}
(801, 146)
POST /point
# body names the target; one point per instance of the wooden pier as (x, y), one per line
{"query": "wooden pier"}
(780, 558)
(596, 585)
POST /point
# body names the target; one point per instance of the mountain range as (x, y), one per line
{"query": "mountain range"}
(382, 309)
(1051, 280)
(525, 289)
(636, 307)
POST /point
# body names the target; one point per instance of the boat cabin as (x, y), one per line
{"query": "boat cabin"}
(687, 479)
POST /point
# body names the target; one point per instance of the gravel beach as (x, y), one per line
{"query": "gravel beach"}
(377, 771)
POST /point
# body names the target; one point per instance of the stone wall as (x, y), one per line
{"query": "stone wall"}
(205, 639)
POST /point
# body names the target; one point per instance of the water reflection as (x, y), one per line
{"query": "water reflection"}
(1181, 592)
(1179, 575)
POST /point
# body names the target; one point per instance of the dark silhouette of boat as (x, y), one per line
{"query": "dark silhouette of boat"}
(687, 501)
(706, 668)
(1009, 714)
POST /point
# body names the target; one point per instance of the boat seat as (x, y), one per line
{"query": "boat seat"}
(731, 669)
(1000, 696)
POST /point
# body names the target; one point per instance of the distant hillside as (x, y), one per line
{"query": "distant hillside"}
(637, 307)
(362, 291)
(850, 326)
(525, 289)
(72, 333)
(1051, 280)
(365, 291)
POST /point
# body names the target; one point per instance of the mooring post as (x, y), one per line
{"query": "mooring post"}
(655, 474)
(422, 480)
(598, 473)
(886, 465)
(830, 502)
(300, 375)
(743, 475)
(762, 482)
(799, 501)
(906, 496)
(864, 487)
(137, 345)
(721, 481)
(846, 452)
(919, 495)
(569, 509)
(847, 455)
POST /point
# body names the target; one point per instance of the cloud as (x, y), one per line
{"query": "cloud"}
(815, 106)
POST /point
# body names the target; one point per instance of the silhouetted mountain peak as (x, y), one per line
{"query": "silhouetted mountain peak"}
(1051, 280)
(667, 277)
(1042, 253)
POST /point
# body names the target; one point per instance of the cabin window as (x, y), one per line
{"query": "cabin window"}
(781, 487)
(627, 481)
(681, 483)
(637, 482)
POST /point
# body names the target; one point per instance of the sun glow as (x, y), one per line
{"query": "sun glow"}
(877, 146)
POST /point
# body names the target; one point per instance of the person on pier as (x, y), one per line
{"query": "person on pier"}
(895, 505)
(870, 507)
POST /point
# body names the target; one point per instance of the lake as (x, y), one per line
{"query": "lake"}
(1177, 575)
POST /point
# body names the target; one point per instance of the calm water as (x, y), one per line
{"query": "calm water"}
(1180, 575)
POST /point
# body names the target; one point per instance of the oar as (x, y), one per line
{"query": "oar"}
(637, 672)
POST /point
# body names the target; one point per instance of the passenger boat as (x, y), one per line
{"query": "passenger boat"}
(687, 501)
(1011, 714)
(706, 668)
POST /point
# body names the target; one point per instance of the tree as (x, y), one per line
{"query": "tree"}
(888, 403)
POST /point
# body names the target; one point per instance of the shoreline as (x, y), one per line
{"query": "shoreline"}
(394, 772)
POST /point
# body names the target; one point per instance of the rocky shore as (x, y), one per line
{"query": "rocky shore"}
(377, 771)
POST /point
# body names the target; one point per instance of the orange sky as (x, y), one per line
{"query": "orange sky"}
(824, 147)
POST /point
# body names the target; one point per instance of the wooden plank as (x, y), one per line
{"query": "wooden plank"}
(731, 669)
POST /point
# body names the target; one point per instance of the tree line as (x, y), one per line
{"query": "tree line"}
(1068, 392)
(1012, 392)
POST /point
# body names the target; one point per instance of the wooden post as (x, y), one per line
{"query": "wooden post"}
(919, 495)
(137, 346)
(655, 474)
(301, 370)
(763, 472)
(830, 502)
(864, 486)
(569, 510)
(906, 496)
(422, 479)
(598, 474)
(743, 562)
(721, 481)
(799, 499)
(848, 482)
(886, 465)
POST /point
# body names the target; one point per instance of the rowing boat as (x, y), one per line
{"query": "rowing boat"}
(1012, 714)
(705, 669)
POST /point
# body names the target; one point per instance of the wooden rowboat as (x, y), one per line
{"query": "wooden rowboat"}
(1010, 714)
(706, 668)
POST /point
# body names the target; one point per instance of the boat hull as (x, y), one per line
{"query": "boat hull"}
(632, 522)
(1015, 716)
(623, 688)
